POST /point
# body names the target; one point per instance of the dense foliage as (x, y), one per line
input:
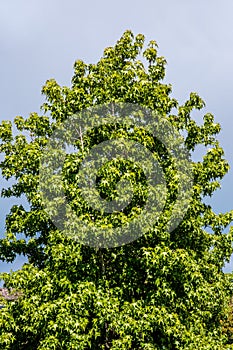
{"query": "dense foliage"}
(166, 290)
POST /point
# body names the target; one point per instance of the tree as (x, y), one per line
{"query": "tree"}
(163, 290)
(227, 323)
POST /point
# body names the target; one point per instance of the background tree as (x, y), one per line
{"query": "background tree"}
(166, 290)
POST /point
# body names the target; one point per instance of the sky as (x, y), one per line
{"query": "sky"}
(42, 39)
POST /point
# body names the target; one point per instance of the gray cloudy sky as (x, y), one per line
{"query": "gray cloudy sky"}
(41, 39)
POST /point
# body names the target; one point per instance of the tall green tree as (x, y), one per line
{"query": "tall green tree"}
(164, 290)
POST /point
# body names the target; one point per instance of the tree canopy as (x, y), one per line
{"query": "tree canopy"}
(163, 290)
